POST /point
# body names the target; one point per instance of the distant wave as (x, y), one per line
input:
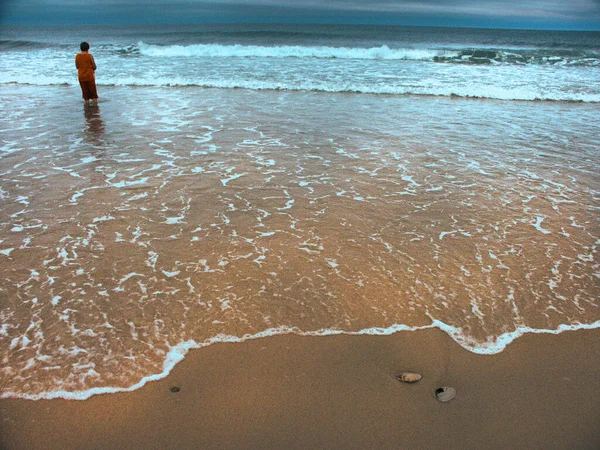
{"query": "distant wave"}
(8, 44)
(484, 92)
(462, 56)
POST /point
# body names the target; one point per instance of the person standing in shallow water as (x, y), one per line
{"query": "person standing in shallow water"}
(86, 66)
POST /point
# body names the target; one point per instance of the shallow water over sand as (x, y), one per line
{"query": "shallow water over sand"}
(166, 215)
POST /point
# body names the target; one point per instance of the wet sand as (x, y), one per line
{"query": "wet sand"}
(340, 391)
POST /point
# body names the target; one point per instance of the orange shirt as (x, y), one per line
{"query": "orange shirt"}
(85, 66)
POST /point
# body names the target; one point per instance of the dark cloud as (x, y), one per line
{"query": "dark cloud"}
(568, 13)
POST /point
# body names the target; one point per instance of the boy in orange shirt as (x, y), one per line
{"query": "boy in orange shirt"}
(86, 66)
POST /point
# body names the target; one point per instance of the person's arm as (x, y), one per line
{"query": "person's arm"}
(93, 63)
(76, 62)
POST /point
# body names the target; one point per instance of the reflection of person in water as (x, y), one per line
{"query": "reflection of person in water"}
(94, 125)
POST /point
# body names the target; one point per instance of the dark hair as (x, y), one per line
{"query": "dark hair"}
(84, 46)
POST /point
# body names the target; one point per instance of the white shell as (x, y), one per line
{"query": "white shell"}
(409, 377)
(445, 394)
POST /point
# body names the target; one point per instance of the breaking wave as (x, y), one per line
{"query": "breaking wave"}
(384, 52)
(292, 51)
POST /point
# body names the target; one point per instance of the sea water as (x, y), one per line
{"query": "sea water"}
(503, 64)
(238, 182)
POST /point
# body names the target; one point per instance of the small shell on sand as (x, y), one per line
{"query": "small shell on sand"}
(445, 393)
(409, 377)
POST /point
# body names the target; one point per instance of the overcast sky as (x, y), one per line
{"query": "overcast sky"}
(549, 14)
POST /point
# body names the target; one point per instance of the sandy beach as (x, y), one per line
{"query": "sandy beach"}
(186, 216)
(339, 392)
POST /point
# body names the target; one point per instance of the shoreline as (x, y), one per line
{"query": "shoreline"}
(338, 392)
(178, 352)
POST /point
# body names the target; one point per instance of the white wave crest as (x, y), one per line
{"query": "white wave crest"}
(521, 93)
(246, 51)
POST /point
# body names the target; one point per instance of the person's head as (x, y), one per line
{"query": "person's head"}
(84, 46)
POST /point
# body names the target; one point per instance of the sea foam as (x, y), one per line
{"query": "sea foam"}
(472, 91)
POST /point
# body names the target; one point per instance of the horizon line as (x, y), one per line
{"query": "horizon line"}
(472, 27)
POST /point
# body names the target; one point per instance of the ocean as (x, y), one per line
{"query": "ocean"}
(501, 64)
(243, 181)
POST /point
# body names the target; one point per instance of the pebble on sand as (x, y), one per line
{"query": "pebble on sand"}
(409, 377)
(175, 389)
(445, 393)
